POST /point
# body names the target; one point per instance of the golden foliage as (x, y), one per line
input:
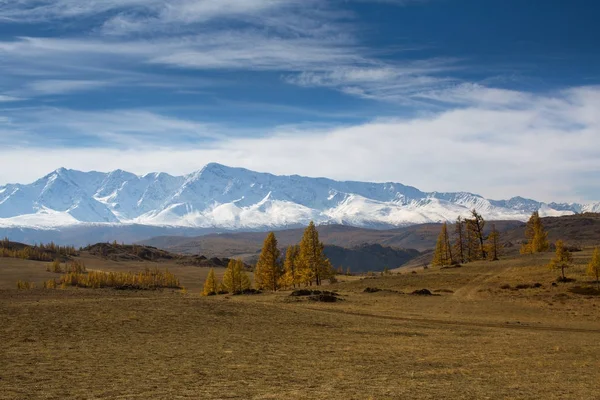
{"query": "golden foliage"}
(22, 285)
(593, 268)
(235, 280)
(268, 269)
(50, 284)
(70, 266)
(562, 259)
(210, 284)
(42, 252)
(148, 279)
(291, 273)
(443, 251)
(313, 266)
(537, 237)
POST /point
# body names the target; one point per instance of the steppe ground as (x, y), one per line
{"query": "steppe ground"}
(472, 341)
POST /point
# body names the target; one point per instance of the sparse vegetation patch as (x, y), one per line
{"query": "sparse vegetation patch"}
(422, 292)
(585, 290)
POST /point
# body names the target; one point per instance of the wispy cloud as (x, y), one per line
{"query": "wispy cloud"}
(498, 151)
(114, 128)
(6, 99)
(308, 42)
(62, 86)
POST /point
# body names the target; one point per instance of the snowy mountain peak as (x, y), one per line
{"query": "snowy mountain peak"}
(236, 198)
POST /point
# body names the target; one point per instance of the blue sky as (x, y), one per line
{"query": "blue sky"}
(498, 97)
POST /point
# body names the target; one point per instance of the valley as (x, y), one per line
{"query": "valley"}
(422, 331)
(471, 339)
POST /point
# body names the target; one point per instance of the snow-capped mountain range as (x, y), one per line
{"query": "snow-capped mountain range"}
(222, 197)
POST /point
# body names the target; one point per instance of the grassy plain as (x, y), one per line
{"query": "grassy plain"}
(474, 340)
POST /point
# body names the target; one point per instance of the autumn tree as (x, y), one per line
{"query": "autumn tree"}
(210, 284)
(470, 244)
(459, 243)
(537, 237)
(443, 252)
(235, 280)
(268, 271)
(494, 248)
(562, 259)
(594, 266)
(476, 237)
(313, 266)
(291, 276)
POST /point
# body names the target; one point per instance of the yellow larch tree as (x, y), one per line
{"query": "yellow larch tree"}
(211, 286)
(594, 266)
(313, 266)
(537, 237)
(459, 244)
(562, 259)
(443, 251)
(268, 269)
(235, 280)
(290, 277)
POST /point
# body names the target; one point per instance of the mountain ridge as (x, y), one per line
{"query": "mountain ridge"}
(218, 196)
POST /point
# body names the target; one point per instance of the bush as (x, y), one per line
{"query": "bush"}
(505, 286)
(301, 292)
(523, 286)
(55, 267)
(371, 290)
(324, 297)
(422, 292)
(560, 279)
(149, 279)
(22, 285)
(50, 284)
(248, 292)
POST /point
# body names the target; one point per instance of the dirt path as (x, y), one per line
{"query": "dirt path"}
(469, 291)
(500, 325)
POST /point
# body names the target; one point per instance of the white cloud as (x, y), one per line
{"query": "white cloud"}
(29, 11)
(309, 38)
(6, 99)
(115, 128)
(62, 86)
(498, 152)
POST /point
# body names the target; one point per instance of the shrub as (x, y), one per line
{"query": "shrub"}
(324, 297)
(22, 285)
(75, 266)
(523, 286)
(55, 267)
(422, 292)
(50, 284)
(149, 279)
(562, 279)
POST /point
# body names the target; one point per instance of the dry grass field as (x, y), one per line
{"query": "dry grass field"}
(473, 340)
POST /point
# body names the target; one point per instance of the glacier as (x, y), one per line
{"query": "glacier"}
(218, 196)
